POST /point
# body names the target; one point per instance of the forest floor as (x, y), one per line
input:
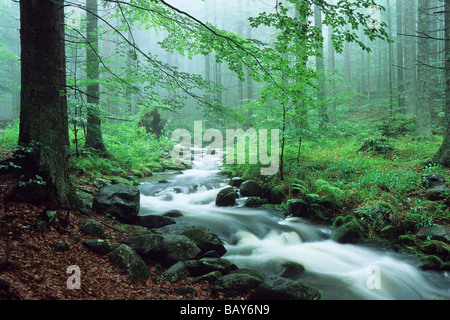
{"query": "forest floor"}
(32, 269)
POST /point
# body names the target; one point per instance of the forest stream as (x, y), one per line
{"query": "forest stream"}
(262, 240)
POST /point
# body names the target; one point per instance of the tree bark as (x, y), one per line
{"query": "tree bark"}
(93, 132)
(43, 114)
(410, 58)
(320, 67)
(442, 157)
(400, 71)
(423, 112)
(332, 68)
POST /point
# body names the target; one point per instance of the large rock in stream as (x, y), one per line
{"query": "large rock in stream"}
(120, 201)
(226, 197)
(278, 288)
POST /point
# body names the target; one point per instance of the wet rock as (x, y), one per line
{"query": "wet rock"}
(432, 180)
(174, 248)
(93, 228)
(173, 214)
(436, 232)
(278, 288)
(205, 239)
(431, 262)
(438, 193)
(350, 231)
(175, 273)
(277, 195)
(236, 284)
(120, 201)
(292, 269)
(236, 182)
(255, 202)
(154, 221)
(226, 197)
(207, 265)
(250, 188)
(130, 262)
(99, 246)
(250, 272)
(143, 244)
(186, 291)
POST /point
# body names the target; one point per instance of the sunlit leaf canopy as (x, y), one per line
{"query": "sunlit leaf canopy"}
(275, 61)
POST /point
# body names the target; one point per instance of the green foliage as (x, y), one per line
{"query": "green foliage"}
(10, 136)
(132, 152)
(399, 125)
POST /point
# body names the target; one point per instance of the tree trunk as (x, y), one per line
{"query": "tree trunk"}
(320, 67)
(332, 68)
(410, 58)
(423, 112)
(94, 132)
(43, 114)
(391, 91)
(400, 72)
(443, 155)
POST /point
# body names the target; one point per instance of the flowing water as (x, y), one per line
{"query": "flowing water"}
(263, 240)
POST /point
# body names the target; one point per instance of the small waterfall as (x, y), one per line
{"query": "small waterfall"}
(263, 240)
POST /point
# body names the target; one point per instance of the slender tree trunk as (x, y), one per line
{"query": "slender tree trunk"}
(400, 63)
(423, 112)
(320, 67)
(443, 155)
(94, 133)
(391, 91)
(410, 57)
(332, 70)
(43, 114)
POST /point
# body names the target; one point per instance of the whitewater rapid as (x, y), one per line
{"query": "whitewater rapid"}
(264, 240)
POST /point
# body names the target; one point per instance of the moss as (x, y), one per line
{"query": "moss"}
(350, 231)
(435, 247)
(431, 262)
(406, 239)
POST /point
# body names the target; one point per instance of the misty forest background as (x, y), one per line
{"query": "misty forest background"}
(361, 108)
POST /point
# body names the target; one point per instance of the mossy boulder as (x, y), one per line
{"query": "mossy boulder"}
(226, 197)
(236, 284)
(93, 228)
(144, 243)
(250, 188)
(291, 269)
(130, 262)
(120, 201)
(172, 249)
(437, 248)
(277, 195)
(205, 239)
(348, 230)
(99, 246)
(278, 288)
(207, 265)
(255, 202)
(431, 262)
